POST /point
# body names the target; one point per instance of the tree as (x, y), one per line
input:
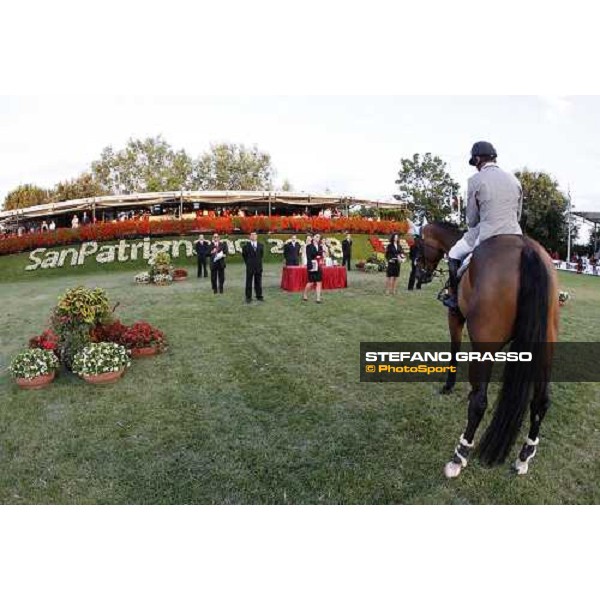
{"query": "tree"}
(26, 195)
(545, 210)
(287, 186)
(148, 165)
(427, 187)
(233, 167)
(84, 186)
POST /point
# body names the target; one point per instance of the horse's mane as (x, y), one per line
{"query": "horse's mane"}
(450, 227)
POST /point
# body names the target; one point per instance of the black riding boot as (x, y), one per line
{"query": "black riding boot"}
(452, 300)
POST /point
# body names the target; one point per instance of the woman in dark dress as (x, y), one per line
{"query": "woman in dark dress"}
(314, 266)
(393, 255)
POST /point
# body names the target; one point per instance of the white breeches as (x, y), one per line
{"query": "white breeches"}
(462, 248)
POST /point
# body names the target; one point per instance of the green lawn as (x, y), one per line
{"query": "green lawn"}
(262, 404)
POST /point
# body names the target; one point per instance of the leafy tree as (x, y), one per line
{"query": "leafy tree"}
(148, 165)
(233, 167)
(84, 186)
(287, 186)
(427, 187)
(545, 210)
(26, 195)
(594, 240)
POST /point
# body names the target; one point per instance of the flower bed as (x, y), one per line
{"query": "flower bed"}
(143, 278)
(33, 362)
(87, 340)
(101, 232)
(109, 332)
(180, 275)
(101, 359)
(143, 335)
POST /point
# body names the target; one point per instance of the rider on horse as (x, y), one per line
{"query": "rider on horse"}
(494, 203)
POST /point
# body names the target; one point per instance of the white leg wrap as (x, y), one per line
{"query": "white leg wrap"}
(463, 442)
(522, 466)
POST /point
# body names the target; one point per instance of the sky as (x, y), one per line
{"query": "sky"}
(351, 145)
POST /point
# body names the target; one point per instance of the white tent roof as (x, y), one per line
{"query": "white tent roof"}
(227, 197)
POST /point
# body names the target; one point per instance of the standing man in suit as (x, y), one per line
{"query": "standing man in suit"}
(202, 251)
(291, 252)
(217, 253)
(347, 251)
(252, 252)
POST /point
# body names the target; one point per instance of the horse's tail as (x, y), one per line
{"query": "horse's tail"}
(531, 330)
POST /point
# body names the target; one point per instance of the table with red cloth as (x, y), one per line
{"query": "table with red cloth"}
(294, 279)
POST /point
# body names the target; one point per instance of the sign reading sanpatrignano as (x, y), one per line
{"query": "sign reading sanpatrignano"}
(125, 251)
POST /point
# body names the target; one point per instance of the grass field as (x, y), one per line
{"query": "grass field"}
(262, 403)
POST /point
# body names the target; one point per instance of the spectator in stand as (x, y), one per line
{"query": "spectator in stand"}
(85, 219)
(75, 222)
(52, 225)
(327, 213)
(314, 258)
(44, 227)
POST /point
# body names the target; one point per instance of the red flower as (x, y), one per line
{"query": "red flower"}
(102, 232)
(48, 340)
(143, 335)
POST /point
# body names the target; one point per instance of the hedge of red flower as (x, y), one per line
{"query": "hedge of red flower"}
(376, 244)
(101, 232)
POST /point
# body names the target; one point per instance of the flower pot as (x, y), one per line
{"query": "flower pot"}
(35, 383)
(148, 351)
(104, 377)
(182, 278)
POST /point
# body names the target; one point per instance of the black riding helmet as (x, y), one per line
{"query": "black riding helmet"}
(481, 149)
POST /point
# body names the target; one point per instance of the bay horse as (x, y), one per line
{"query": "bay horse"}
(509, 293)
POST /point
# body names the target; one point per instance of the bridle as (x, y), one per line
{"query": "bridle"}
(425, 273)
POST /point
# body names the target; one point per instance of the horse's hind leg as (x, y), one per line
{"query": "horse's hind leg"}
(540, 401)
(479, 376)
(538, 409)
